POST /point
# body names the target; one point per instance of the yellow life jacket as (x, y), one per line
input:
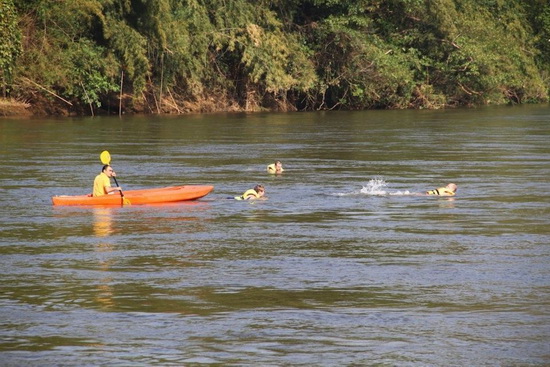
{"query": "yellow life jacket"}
(272, 168)
(248, 194)
(442, 191)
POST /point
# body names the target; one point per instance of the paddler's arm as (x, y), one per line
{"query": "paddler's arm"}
(110, 189)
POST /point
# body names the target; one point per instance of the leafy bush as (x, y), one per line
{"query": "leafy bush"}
(10, 43)
(285, 54)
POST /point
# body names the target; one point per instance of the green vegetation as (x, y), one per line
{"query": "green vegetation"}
(10, 43)
(175, 56)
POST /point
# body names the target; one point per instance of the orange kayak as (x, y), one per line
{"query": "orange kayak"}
(145, 196)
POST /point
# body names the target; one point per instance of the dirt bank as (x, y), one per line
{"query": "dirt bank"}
(12, 107)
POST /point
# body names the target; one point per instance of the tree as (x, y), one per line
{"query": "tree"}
(10, 43)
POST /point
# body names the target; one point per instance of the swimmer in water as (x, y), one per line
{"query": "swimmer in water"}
(257, 192)
(449, 190)
(275, 168)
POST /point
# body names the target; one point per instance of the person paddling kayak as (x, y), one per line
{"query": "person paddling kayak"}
(257, 192)
(102, 182)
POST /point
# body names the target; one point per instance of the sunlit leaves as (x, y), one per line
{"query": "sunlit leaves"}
(10, 40)
(311, 54)
(88, 79)
(130, 49)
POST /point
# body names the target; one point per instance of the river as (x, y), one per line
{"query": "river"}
(342, 264)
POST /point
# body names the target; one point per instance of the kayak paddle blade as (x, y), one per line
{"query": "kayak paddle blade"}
(105, 157)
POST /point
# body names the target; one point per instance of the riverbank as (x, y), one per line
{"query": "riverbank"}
(12, 107)
(41, 106)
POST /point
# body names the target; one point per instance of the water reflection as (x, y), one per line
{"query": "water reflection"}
(103, 221)
(446, 202)
(103, 228)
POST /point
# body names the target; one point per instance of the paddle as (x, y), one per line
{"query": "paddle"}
(105, 158)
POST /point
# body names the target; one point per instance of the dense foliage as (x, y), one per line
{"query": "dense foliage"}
(207, 55)
(10, 41)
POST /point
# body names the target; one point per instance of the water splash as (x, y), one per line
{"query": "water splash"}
(375, 186)
(402, 193)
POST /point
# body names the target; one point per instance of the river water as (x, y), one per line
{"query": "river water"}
(342, 264)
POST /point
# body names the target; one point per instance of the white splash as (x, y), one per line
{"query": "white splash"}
(402, 193)
(375, 186)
